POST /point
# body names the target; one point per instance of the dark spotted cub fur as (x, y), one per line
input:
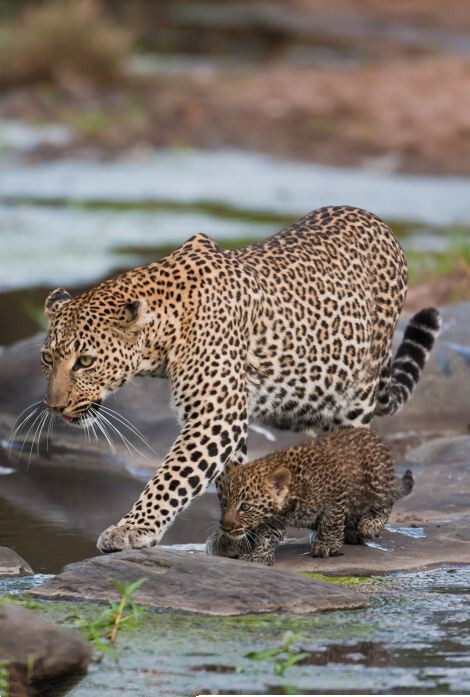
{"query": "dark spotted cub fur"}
(342, 485)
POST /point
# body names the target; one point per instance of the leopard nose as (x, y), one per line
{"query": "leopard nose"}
(225, 525)
(57, 408)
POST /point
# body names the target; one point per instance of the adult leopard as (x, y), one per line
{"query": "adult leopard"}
(295, 331)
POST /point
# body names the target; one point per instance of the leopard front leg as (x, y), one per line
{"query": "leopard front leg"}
(214, 412)
(187, 472)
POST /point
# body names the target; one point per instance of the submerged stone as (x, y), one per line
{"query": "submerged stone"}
(33, 649)
(11, 564)
(192, 582)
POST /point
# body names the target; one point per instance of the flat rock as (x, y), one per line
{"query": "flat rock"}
(30, 645)
(11, 564)
(398, 549)
(192, 582)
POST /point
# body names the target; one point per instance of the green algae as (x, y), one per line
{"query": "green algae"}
(216, 210)
(343, 580)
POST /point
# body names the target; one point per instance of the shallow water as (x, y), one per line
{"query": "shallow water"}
(374, 650)
(241, 180)
(53, 515)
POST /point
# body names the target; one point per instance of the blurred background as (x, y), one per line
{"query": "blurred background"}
(126, 127)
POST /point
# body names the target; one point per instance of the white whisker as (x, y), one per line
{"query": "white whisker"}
(16, 428)
(29, 431)
(43, 423)
(128, 424)
(39, 421)
(126, 442)
(50, 427)
(104, 432)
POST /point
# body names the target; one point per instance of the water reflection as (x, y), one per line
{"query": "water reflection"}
(53, 515)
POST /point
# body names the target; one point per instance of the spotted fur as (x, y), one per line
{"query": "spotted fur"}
(341, 485)
(295, 331)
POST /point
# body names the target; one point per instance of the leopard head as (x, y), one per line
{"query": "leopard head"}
(93, 346)
(250, 495)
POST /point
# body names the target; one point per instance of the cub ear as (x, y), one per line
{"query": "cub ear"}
(230, 468)
(55, 300)
(278, 481)
(134, 316)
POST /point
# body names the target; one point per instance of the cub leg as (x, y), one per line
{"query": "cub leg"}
(330, 533)
(351, 534)
(373, 522)
(258, 545)
(267, 539)
(219, 544)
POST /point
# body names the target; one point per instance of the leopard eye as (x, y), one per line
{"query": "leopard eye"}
(84, 362)
(47, 358)
(245, 507)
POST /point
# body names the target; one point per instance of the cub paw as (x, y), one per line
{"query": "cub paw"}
(220, 545)
(266, 559)
(327, 549)
(119, 537)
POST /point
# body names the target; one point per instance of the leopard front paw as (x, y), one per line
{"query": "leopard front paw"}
(126, 536)
(327, 549)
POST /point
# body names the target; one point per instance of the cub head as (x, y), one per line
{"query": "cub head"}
(251, 494)
(93, 345)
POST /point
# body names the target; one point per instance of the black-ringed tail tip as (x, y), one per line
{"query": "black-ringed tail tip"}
(400, 377)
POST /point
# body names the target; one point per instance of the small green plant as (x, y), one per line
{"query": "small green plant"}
(4, 679)
(284, 656)
(21, 600)
(103, 631)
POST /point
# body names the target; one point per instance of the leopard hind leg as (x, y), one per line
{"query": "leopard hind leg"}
(372, 523)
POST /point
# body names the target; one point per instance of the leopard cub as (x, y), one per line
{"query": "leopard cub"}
(341, 486)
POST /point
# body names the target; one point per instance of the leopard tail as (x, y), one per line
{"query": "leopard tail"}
(406, 484)
(400, 377)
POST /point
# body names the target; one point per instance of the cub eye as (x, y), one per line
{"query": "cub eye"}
(84, 362)
(47, 358)
(245, 507)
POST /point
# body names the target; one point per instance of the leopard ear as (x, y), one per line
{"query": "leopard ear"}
(278, 481)
(134, 316)
(55, 300)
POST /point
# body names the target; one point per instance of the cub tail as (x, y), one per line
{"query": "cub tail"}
(400, 377)
(406, 484)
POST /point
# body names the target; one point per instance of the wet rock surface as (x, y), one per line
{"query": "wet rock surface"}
(12, 564)
(399, 548)
(31, 646)
(192, 582)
